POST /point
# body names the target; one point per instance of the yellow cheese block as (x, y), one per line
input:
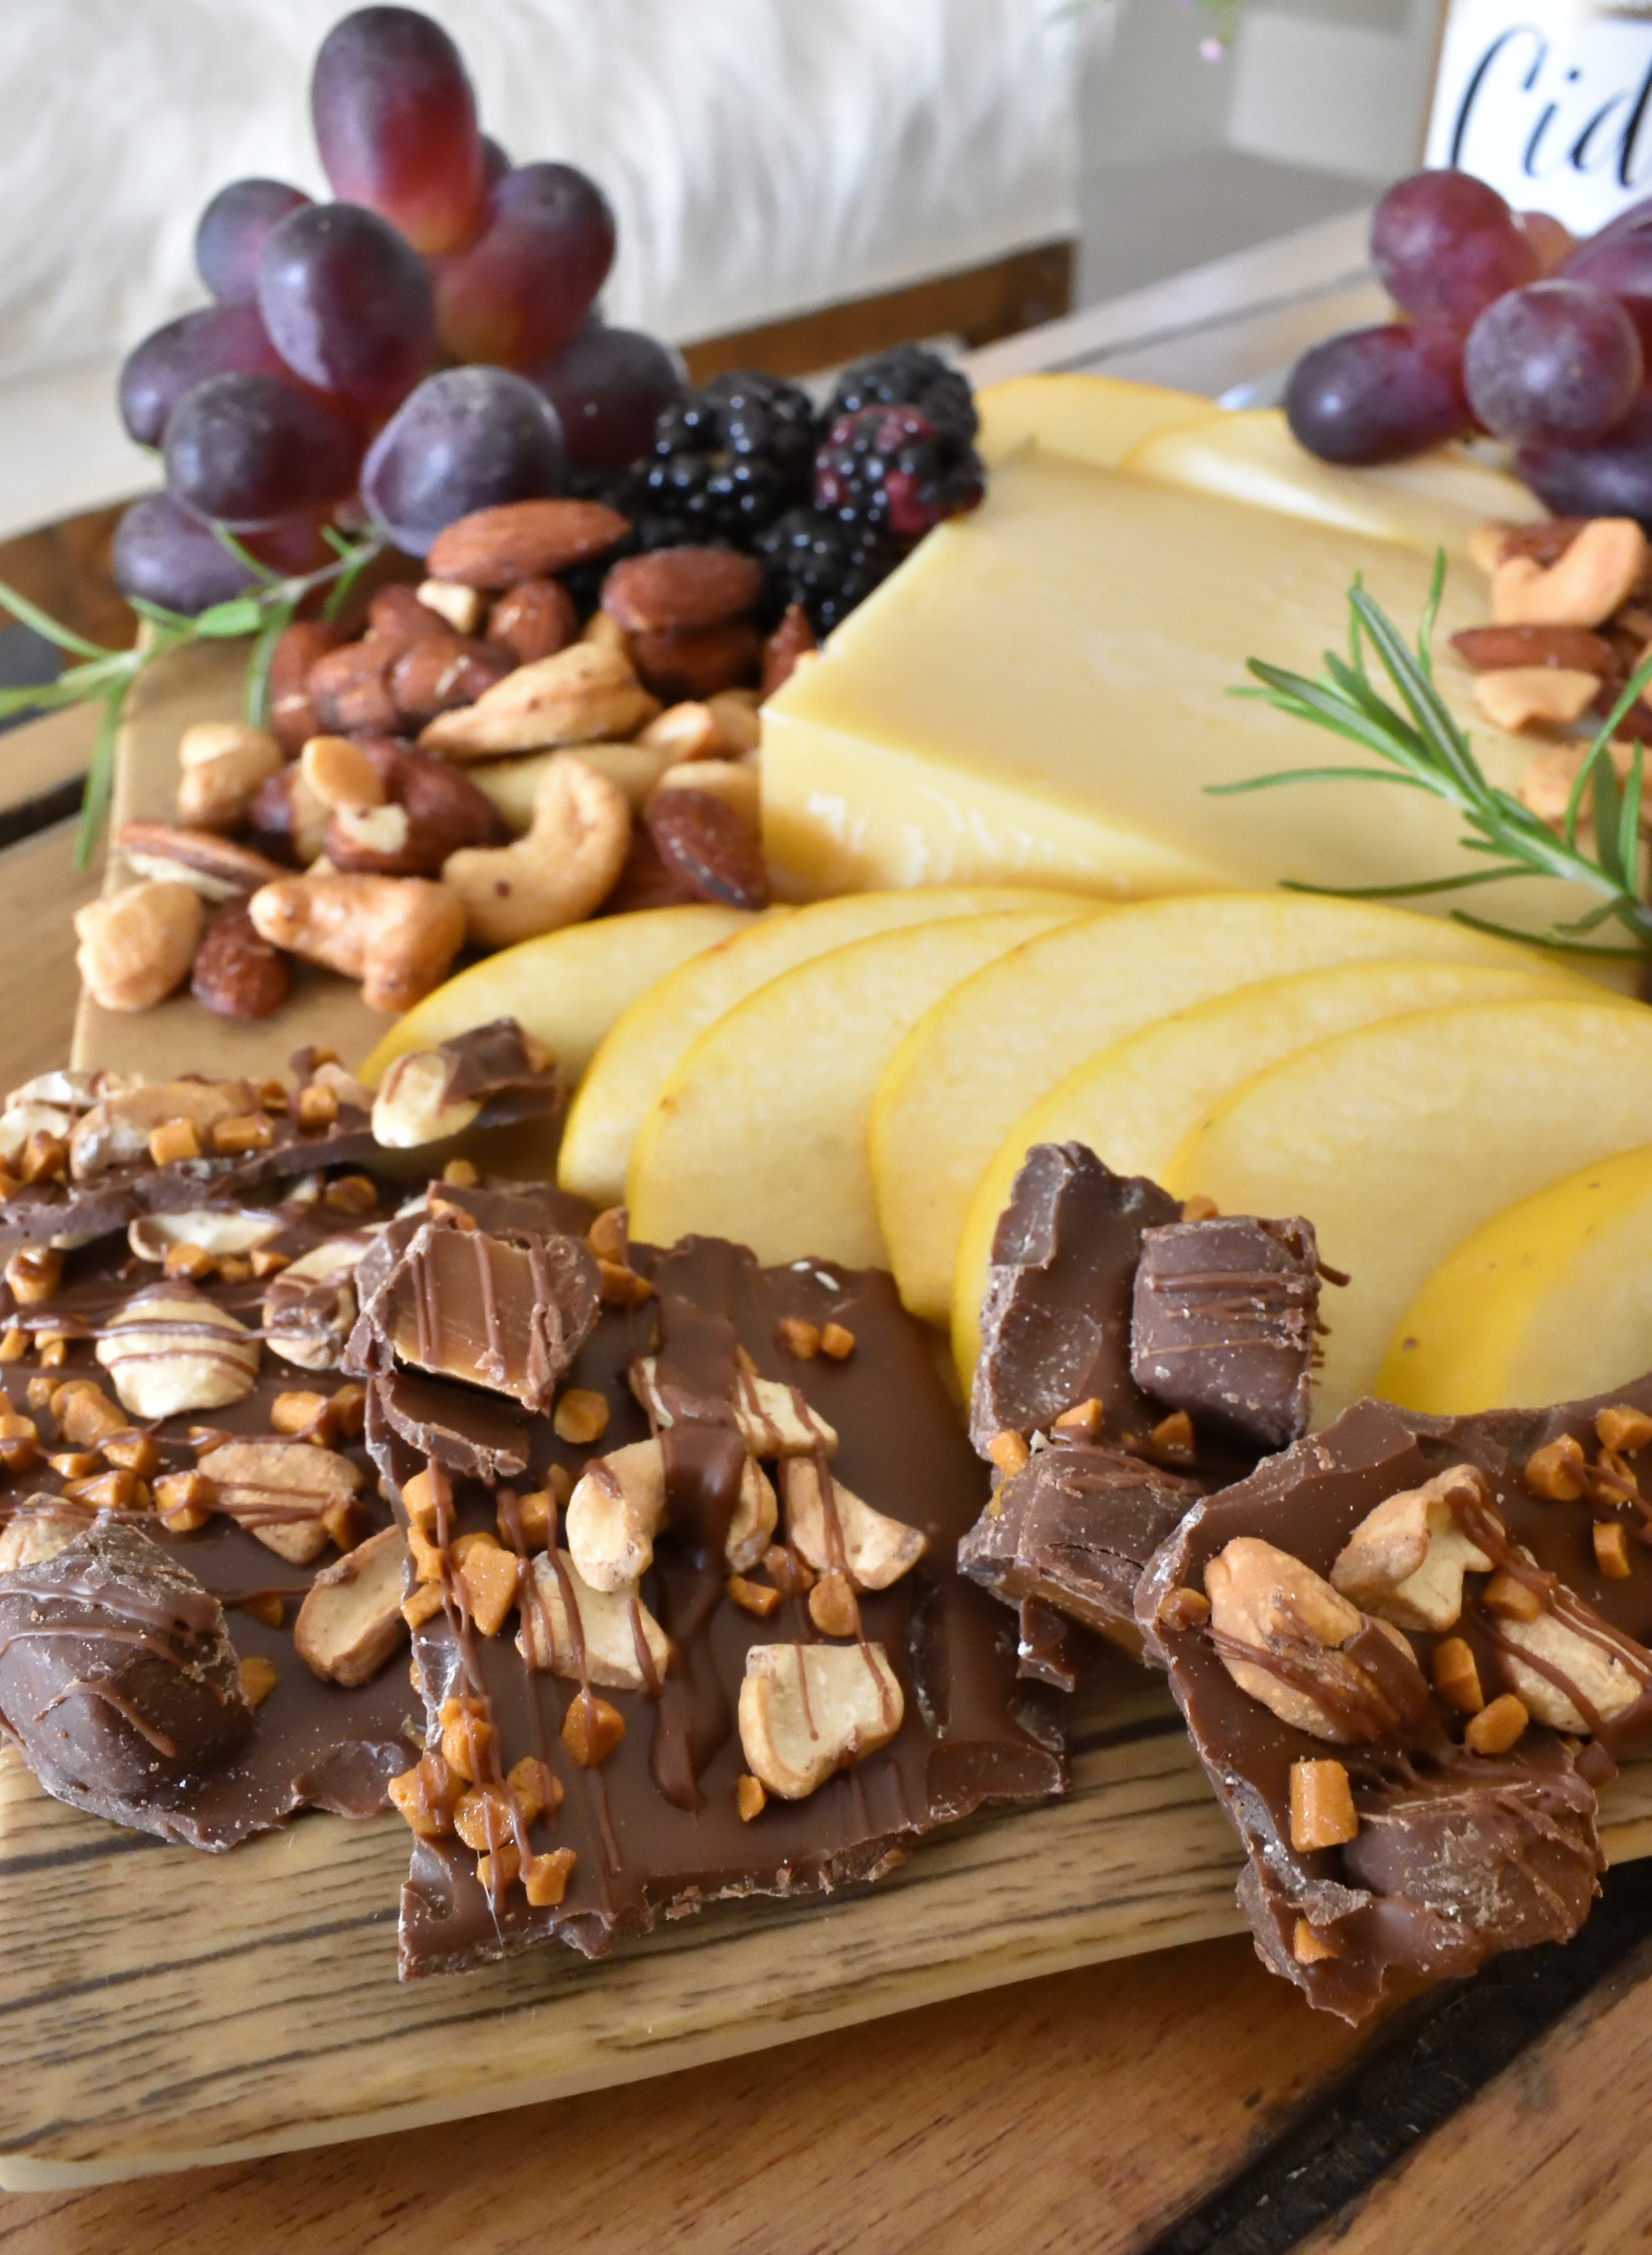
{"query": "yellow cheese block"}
(1043, 691)
(1093, 418)
(1550, 1301)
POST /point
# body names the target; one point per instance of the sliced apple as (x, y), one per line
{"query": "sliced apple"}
(1434, 501)
(630, 1068)
(1548, 1301)
(958, 1084)
(760, 1133)
(1090, 418)
(566, 987)
(1399, 1138)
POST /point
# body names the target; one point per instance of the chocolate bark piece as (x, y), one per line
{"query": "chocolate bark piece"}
(1074, 1528)
(1458, 1854)
(496, 1060)
(655, 1828)
(1055, 1321)
(1222, 1322)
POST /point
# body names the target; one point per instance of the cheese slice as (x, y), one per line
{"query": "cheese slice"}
(1092, 419)
(1043, 691)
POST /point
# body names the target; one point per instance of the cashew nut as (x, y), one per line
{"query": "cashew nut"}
(565, 867)
(222, 764)
(340, 774)
(1599, 572)
(513, 785)
(1515, 694)
(136, 945)
(583, 694)
(398, 935)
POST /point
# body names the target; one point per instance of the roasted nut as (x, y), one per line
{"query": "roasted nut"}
(792, 639)
(432, 809)
(33, 1273)
(544, 1878)
(560, 873)
(350, 1622)
(807, 1710)
(1606, 1669)
(461, 608)
(675, 588)
(289, 820)
(584, 694)
(411, 1107)
(1623, 1429)
(800, 1339)
(875, 1549)
(443, 671)
(258, 1678)
(736, 713)
(688, 731)
(1558, 1472)
(611, 1624)
(522, 540)
(488, 1576)
(1497, 649)
(731, 782)
(1264, 1600)
(1612, 1547)
(1009, 1452)
(281, 1491)
(338, 772)
(1457, 1678)
(427, 1795)
(752, 1597)
(171, 1349)
(697, 662)
(1519, 694)
(1599, 571)
(310, 1306)
(237, 974)
(293, 718)
(398, 935)
(1322, 1811)
(581, 1416)
(400, 614)
(1406, 1560)
(750, 1797)
(1498, 1727)
(222, 764)
(217, 868)
(592, 1729)
(832, 1607)
(836, 1342)
(757, 1514)
(350, 688)
(138, 945)
(773, 1420)
(533, 619)
(616, 1508)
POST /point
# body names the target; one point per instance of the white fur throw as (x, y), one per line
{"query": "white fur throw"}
(763, 155)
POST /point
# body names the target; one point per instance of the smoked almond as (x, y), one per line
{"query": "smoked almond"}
(522, 540)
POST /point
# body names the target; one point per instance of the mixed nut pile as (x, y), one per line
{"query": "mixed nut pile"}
(473, 768)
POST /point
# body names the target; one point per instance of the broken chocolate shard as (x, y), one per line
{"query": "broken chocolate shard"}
(486, 1436)
(1055, 1321)
(496, 1061)
(1075, 1529)
(1222, 1322)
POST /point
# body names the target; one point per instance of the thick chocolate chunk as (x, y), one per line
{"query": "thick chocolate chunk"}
(1055, 1322)
(1222, 1319)
(1074, 1528)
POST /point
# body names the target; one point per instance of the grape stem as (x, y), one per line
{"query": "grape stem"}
(1424, 748)
(104, 677)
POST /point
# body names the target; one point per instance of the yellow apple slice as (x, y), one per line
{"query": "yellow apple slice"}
(566, 987)
(1089, 419)
(630, 1068)
(958, 1084)
(1548, 1301)
(1434, 501)
(759, 1134)
(1399, 1138)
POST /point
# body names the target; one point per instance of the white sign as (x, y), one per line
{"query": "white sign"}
(1551, 102)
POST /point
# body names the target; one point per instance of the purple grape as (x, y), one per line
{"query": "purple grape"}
(467, 439)
(1445, 245)
(218, 341)
(1611, 479)
(1376, 395)
(1620, 264)
(608, 387)
(1552, 244)
(165, 555)
(520, 291)
(348, 303)
(395, 121)
(1559, 362)
(233, 232)
(243, 449)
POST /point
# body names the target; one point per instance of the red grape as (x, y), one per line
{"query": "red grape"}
(465, 439)
(1620, 263)
(1376, 395)
(1559, 362)
(348, 303)
(519, 292)
(218, 341)
(243, 449)
(1445, 245)
(1611, 479)
(1552, 244)
(233, 232)
(166, 555)
(608, 386)
(395, 121)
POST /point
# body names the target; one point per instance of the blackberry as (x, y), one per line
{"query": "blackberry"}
(909, 376)
(732, 456)
(824, 563)
(889, 469)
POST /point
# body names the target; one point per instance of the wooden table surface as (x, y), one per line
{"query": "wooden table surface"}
(1186, 2103)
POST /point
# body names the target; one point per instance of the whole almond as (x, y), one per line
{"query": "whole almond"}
(522, 539)
(1493, 649)
(442, 809)
(351, 686)
(697, 662)
(704, 844)
(533, 619)
(236, 973)
(675, 588)
(397, 615)
(293, 718)
(442, 671)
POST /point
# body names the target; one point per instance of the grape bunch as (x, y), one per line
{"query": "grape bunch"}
(1506, 326)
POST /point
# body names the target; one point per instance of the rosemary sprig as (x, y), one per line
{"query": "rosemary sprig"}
(1422, 749)
(104, 677)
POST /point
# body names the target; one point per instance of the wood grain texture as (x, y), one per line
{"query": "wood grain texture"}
(39, 889)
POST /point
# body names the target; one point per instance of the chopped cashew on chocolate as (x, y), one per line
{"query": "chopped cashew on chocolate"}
(117, 1130)
(612, 1630)
(1280, 1630)
(757, 1514)
(616, 1508)
(1406, 1561)
(350, 1622)
(872, 1548)
(807, 1710)
(170, 1349)
(284, 1492)
(310, 1306)
(773, 1419)
(214, 1230)
(1558, 1670)
(412, 1106)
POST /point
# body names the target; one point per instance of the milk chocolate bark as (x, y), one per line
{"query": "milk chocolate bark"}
(1223, 1324)
(1299, 1629)
(655, 1824)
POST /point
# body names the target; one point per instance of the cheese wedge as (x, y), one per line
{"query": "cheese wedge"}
(1091, 419)
(1550, 1300)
